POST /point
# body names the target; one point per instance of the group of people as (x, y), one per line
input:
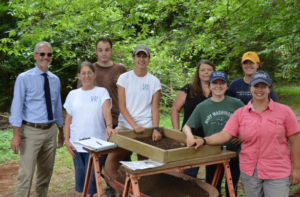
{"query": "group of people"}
(243, 116)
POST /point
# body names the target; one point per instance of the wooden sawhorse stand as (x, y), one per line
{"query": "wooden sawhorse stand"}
(132, 176)
(94, 161)
(221, 159)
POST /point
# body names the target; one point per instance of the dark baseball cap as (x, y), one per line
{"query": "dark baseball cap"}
(218, 75)
(143, 48)
(261, 76)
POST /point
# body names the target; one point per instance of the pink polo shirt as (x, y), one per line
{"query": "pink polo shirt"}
(265, 139)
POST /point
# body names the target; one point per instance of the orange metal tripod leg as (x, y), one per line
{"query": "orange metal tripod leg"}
(217, 175)
(127, 186)
(229, 179)
(98, 176)
(135, 185)
(88, 177)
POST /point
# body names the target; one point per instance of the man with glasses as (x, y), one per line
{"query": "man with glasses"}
(35, 109)
(107, 74)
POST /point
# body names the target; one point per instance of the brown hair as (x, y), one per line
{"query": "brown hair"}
(88, 64)
(104, 40)
(196, 89)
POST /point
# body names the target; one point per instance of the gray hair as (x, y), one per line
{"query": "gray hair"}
(36, 50)
(88, 64)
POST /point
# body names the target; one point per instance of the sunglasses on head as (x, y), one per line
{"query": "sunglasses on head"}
(43, 54)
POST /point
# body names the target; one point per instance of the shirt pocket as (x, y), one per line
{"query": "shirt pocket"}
(247, 130)
(276, 126)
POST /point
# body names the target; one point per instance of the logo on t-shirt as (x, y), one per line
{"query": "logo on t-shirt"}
(220, 121)
(94, 98)
(243, 93)
(146, 87)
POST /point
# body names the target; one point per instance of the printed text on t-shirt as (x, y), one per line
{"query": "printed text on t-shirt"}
(94, 98)
(146, 87)
(217, 113)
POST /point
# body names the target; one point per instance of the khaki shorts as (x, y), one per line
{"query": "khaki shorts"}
(255, 187)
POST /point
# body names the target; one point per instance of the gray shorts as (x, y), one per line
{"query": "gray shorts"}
(254, 187)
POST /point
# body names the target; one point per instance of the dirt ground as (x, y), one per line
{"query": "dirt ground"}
(62, 183)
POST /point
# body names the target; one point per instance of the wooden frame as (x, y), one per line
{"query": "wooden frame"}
(125, 139)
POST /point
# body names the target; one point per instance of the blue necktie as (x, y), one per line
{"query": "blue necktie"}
(48, 97)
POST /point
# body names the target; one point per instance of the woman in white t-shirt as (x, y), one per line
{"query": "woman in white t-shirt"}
(88, 109)
(139, 93)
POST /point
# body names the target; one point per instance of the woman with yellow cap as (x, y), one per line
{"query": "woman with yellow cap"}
(239, 88)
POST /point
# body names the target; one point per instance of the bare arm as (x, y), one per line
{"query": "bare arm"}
(295, 147)
(155, 115)
(61, 137)
(187, 130)
(16, 141)
(108, 119)
(215, 139)
(69, 146)
(122, 105)
(176, 108)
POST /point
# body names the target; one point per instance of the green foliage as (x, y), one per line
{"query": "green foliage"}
(179, 33)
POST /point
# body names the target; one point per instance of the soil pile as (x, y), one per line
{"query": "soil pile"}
(159, 185)
(165, 142)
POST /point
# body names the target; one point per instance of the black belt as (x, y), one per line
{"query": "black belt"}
(38, 125)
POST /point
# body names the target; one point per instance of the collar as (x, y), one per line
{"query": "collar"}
(39, 71)
(270, 105)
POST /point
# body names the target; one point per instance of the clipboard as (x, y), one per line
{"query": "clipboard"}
(95, 144)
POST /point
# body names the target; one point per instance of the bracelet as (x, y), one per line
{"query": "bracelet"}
(156, 128)
(204, 141)
(109, 125)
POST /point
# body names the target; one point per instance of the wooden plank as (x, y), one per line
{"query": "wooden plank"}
(175, 135)
(133, 134)
(138, 147)
(211, 158)
(190, 152)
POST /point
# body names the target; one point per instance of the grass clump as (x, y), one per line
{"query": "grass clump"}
(6, 154)
(290, 96)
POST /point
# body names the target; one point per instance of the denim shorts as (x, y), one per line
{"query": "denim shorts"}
(81, 162)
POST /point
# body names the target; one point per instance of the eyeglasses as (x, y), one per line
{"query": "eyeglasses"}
(88, 74)
(43, 54)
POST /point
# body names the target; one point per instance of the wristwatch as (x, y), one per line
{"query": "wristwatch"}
(109, 125)
(156, 128)
(204, 140)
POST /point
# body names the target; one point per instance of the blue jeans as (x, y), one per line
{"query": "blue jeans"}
(81, 162)
(193, 172)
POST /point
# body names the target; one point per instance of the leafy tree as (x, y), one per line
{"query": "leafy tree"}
(179, 33)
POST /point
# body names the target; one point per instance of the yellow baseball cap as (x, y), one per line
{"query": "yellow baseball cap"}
(252, 56)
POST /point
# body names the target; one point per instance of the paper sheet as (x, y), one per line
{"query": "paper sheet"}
(140, 165)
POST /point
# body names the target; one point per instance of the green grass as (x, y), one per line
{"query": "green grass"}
(6, 154)
(165, 120)
(289, 95)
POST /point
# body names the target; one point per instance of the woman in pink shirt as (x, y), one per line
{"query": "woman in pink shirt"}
(265, 128)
